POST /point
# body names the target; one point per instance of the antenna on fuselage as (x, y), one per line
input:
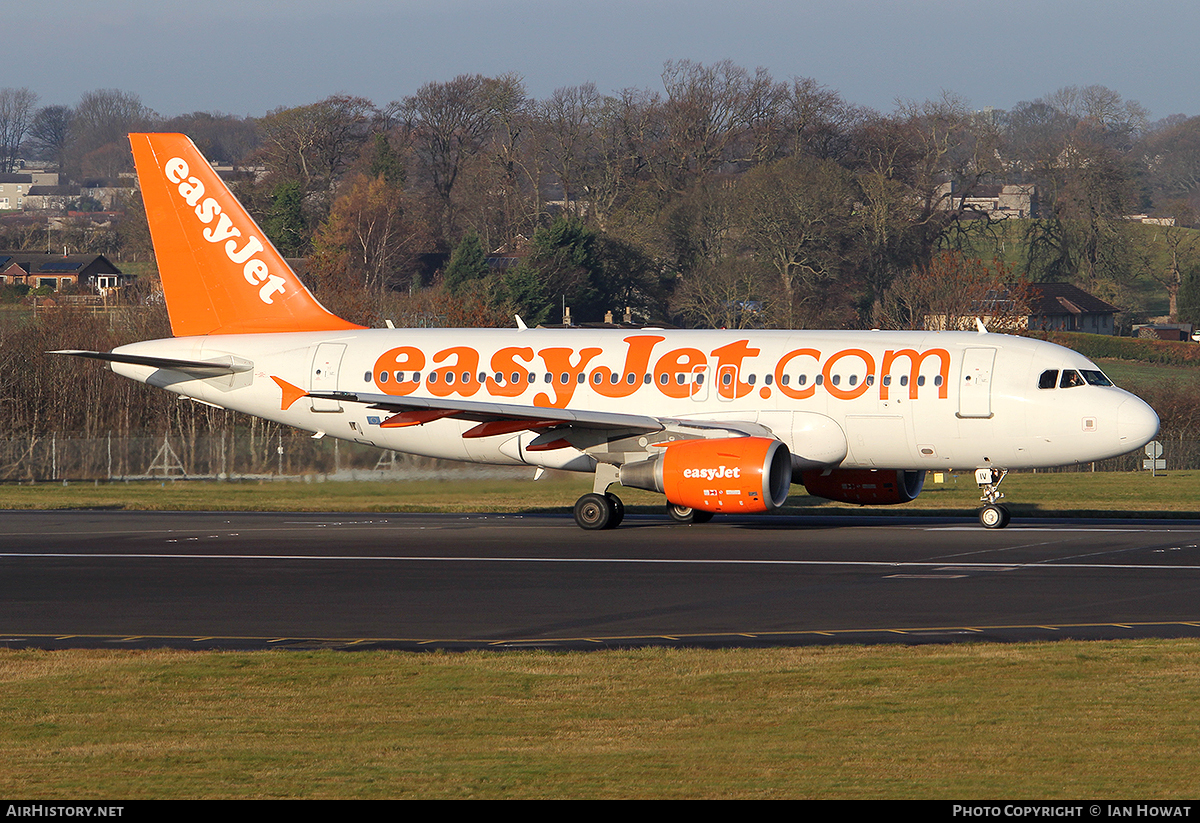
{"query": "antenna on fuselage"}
(982, 329)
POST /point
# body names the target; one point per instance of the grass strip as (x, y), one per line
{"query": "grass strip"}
(1028, 494)
(1037, 720)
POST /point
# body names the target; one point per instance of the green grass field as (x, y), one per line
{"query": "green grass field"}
(1040, 721)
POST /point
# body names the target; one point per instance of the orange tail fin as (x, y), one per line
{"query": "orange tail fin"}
(220, 273)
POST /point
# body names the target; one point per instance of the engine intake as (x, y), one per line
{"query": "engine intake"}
(735, 474)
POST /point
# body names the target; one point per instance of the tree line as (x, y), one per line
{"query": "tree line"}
(727, 197)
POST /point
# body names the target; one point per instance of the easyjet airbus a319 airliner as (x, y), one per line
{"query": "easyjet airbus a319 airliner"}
(717, 421)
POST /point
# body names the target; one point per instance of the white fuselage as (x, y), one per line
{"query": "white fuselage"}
(897, 400)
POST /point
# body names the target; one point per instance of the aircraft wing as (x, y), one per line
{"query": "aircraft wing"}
(432, 408)
(506, 417)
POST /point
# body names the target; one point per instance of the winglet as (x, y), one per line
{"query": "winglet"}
(220, 273)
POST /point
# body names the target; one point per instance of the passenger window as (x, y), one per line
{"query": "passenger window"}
(1048, 379)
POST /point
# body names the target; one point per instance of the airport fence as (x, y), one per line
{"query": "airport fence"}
(249, 455)
(221, 456)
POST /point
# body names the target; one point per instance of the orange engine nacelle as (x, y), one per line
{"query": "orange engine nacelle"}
(736, 474)
(878, 487)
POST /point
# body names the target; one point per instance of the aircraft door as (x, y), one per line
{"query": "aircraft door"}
(326, 363)
(975, 384)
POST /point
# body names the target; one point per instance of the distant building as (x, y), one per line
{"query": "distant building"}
(1046, 307)
(56, 271)
(14, 188)
(1063, 307)
(1164, 331)
(993, 202)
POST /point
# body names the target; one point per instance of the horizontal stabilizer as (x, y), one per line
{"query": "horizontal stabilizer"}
(226, 364)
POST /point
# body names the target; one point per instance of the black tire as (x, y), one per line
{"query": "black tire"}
(593, 512)
(993, 517)
(618, 507)
(686, 514)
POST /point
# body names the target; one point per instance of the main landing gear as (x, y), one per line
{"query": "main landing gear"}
(599, 511)
(992, 515)
(686, 514)
(604, 510)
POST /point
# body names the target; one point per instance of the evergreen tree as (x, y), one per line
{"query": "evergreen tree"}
(467, 263)
(385, 162)
(1189, 297)
(285, 224)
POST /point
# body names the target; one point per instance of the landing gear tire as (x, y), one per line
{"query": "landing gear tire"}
(618, 509)
(686, 514)
(994, 517)
(595, 512)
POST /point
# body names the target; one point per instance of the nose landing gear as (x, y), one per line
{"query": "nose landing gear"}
(992, 515)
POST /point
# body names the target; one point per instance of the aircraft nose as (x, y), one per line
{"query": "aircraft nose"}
(1136, 424)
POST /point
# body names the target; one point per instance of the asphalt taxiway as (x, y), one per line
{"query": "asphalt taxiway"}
(255, 580)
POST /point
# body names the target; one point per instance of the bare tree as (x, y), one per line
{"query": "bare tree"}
(50, 134)
(16, 115)
(314, 144)
(452, 121)
(796, 217)
(100, 125)
(568, 118)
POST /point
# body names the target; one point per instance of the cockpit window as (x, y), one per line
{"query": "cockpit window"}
(1070, 379)
(1049, 379)
(1095, 378)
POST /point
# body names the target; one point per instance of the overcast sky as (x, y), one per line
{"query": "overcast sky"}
(246, 57)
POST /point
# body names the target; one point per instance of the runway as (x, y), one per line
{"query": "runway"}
(419, 581)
